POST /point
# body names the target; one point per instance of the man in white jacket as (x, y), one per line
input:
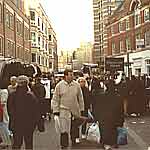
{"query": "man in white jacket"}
(67, 101)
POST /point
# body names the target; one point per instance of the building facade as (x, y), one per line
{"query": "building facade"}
(83, 54)
(43, 37)
(129, 36)
(102, 10)
(14, 31)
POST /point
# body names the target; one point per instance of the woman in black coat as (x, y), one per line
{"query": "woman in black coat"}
(108, 110)
(23, 113)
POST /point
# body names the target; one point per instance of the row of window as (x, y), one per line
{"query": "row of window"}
(125, 25)
(41, 60)
(9, 22)
(40, 23)
(139, 43)
(10, 49)
(41, 41)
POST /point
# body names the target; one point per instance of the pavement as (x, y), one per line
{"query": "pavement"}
(138, 136)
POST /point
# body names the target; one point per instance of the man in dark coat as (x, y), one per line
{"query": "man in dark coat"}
(23, 111)
(39, 91)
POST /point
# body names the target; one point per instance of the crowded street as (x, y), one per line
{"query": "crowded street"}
(74, 74)
(138, 136)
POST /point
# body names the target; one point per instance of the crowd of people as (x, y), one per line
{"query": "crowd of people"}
(72, 100)
(108, 102)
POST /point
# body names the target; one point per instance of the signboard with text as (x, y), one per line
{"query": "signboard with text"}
(114, 64)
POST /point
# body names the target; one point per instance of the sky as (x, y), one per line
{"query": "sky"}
(72, 21)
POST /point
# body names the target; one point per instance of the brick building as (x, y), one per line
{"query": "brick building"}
(129, 35)
(14, 31)
(102, 9)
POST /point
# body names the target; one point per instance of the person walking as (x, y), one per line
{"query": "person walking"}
(39, 91)
(87, 101)
(23, 111)
(67, 103)
(12, 87)
(108, 111)
(4, 121)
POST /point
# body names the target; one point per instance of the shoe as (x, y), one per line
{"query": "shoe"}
(83, 136)
(115, 146)
(107, 147)
(4, 146)
(64, 147)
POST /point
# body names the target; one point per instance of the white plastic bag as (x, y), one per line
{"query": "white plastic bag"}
(57, 124)
(93, 133)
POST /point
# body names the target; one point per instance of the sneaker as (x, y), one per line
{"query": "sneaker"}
(107, 147)
(77, 140)
(115, 146)
(83, 136)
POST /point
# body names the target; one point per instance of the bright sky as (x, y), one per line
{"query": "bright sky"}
(72, 20)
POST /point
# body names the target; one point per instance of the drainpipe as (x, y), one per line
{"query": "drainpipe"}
(4, 52)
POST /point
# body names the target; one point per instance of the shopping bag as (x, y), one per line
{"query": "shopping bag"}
(93, 133)
(122, 136)
(57, 124)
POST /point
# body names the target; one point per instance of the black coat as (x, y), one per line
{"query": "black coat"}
(108, 110)
(23, 111)
(86, 97)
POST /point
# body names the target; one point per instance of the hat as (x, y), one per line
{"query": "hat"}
(22, 80)
(13, 78)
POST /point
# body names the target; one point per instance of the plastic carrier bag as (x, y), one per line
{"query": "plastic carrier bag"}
(93, 133)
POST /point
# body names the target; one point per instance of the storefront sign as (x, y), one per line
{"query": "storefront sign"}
(114, 64)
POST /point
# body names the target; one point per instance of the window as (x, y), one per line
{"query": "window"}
(46, 46)
(42, 43)
(147, 38)
(20, 28)
(33, 57)
(113, 48)
(147, 14)
(50, 37)
(109, 10)
(120, 26)
(38, 21)
(42, 26)
(50, 65)
(112, 30)
(138, 36)
(39, 40)
(39, 59)
(32, 15)
(11, 21)
(1, 13)
(137, 18)
(33, 37)
(7, 19)
(17, 24)
(1, 45)
(8, 45)
(121, 46)
(127, 24)
(26, 34)
(128, 44)
(17, 53)
(46, 30)
(13, 49)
